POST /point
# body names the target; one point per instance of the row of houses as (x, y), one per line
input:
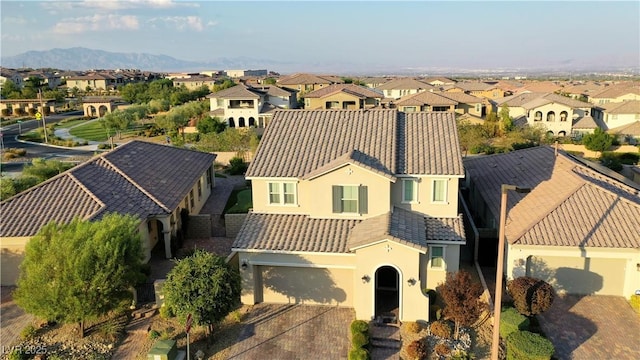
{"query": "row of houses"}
(364, 208)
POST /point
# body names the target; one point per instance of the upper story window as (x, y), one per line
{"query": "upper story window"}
(199, 189)
(538, 116)
(436, 259)
(409, 190)
(409, 109)
(439, 192)
(563, 116)
(282, 193)
(350, 199)
(191, 201)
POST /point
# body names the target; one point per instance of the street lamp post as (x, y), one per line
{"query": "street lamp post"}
(497, 307)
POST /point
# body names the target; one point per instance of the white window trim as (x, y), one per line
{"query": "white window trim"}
(444, 258)
(415, 191)
(446, 191)
(282, 194)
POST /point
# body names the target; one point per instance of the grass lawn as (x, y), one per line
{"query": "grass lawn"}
(69, 123)
(91, 131)
(239, 202)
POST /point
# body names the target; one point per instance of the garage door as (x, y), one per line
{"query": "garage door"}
(580, 275)
(298, 285)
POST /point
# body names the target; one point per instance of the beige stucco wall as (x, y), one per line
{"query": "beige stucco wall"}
(598, 270)
(435, 277)
(315, 195)
(595, 154)
(613, 121)
(424, 204)
(414, 304)
(556, 126)
(315, 103)
(11, 255)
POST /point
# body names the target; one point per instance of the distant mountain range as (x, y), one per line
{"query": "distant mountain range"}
(79, 58)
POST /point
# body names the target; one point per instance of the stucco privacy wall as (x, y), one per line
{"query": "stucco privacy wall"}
(199, 226)
(233, 223)
(598, 271)
(11, 255)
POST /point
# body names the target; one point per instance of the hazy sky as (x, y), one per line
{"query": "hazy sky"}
(417, 33)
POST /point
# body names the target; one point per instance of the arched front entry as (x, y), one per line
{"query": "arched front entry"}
(387, 294)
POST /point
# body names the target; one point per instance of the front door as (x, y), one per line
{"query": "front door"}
(387, 292)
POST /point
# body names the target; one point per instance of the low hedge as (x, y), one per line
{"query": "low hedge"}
(525, 345)
(511, 320)
(359, 340)
(359, 354)
(359, 326)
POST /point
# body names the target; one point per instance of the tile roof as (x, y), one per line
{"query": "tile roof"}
(353, 157)
(425, 98)
(405, 84)
(355, 90)
(474, 86)
(136, 178)
(585, 122)
(461, 97)
(614, 91)
(293, 232)
(572, 203)
(301, 79)
(298, 142)
(632, 129)
(238, 91)
(532, 100)
(540, 86)
(625, 107)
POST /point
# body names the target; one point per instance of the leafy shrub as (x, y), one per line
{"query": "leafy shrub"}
(166, 311)
(32, 111)
(418, 350)
(629, 158)
(5, 112)
(359, 326)
(237, 166)
(635, 303)
(525, 345)
(441, 329)
(359, 354)
(17, 354)
(359, 340)
(112, 329)
(442, 349)
(414, 327)
(511, 320)
(611, 161)
(462, 355)
(530, 296)
(154, 334)
(435, 312)
(28, 333)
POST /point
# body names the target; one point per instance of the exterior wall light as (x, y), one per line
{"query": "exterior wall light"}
(244, 265)
(411, 281)
(365, 278)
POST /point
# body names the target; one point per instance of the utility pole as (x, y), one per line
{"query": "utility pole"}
(44, 123)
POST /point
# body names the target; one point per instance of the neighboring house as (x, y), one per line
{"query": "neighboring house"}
(467, 104)
(246, 106)
(628, 133)
(306, 83)
(538, 87)
(97, 81)
(584, 125)
(555, 112)
(151, 181)
(399, 87)
(581, 91)
(244, 73)
(578, 228)
(353, 208)
(195, 82)
(617, 114)
(373, 82)
(426, 101)
(439, 81)
(12, 75)
(51, 80)
(342, 96)
(616, 93)
(479, 89)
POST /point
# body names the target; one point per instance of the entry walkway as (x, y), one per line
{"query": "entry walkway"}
(12, 319)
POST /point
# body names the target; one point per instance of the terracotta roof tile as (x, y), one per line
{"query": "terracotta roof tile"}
(568, 199)
(425, 98)
(356, 90)
(629, 129)
(405, 84)
(298, 142)
(625, 107)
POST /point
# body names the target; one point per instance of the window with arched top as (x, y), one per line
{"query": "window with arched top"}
(562, 133)
(563, 116)
(538, 116)
(241, 122)
(252, 121)
(551, 116)
(232, 122)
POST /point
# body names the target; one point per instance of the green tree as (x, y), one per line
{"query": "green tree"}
(210, 124)
(269, 81)
(461, 296)
(43, 169)
(598, 141)
(506, 122)
(225, 85)
(10, 90)
(76, 272)
(7, 187)
(203, 285)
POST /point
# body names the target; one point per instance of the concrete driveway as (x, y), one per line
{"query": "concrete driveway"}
(12, 319)
(592, 327)
(294, 332)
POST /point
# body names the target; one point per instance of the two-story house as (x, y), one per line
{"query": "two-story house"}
(399, 87)
(246, 106)
(479, 89)
(616, 114)
(342, 96)
(306, 83)
(555, 112)
(195, 82)
(152, 182)
(616, 93)
(354, 208)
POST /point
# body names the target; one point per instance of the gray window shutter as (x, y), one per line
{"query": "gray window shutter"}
(337, 199)
(363, 200)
